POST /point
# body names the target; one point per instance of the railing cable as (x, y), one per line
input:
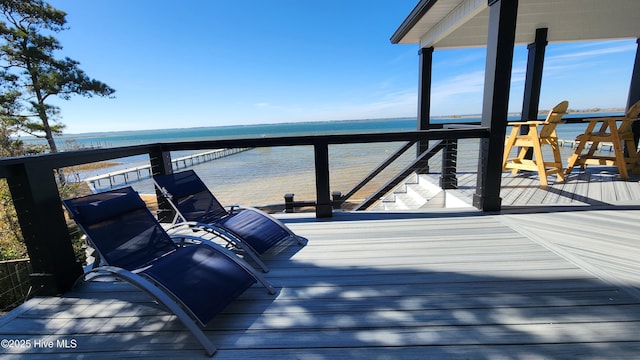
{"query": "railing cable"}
(377, 170)
(416, 164)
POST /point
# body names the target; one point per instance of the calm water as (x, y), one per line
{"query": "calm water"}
(262, 176)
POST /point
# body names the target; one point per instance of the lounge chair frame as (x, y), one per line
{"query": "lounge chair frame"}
(181, 223)
(162, 297)
(154, 288)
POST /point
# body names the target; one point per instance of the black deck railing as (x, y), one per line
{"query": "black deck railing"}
(414, 166)
(34, 190)
(375, 172)
(14, 282)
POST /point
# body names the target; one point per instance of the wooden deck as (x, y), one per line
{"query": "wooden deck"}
(597, 186)
(438, 284)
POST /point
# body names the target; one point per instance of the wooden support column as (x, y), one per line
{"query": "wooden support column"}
(424, 101)
(502, 28)
(533, 78)
(634, 91)
(323, 196)
(533, 81)
(37, 202)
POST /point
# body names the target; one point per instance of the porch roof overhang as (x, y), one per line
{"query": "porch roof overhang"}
(464, 23)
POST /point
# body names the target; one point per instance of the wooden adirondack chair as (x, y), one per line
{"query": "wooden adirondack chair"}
(620, 136)
(540, 133)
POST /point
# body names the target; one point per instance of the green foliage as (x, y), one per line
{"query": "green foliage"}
(30, 73)
(11, 243)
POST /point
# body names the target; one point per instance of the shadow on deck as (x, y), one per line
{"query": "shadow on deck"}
(440, 284)
(595, 187)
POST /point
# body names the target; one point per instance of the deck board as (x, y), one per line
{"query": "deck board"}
(595, 186)
(603, 242)
(440, 284)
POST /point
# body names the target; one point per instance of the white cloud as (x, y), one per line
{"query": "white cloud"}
(572, 56)
(467, 83)
(458, 95)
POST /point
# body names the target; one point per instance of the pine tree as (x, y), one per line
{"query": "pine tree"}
(30, 74)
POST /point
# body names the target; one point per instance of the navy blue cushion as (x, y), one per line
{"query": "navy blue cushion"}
(256, 229)
(181, 184)
(202, 278)
(99, 207)
(128, 236)
(191, 196)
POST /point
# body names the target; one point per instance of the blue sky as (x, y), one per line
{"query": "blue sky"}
(231, 62)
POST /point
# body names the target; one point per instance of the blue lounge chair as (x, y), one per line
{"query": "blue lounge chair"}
(251, 230)
(195, 282)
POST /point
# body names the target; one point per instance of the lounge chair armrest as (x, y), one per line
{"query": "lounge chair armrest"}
(144, 284)
(179, 239)
(174, 228)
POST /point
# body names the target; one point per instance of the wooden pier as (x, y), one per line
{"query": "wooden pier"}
(139, 172)
(602, 146)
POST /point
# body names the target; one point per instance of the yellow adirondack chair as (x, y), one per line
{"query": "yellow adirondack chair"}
(620, 136)
(540, 133)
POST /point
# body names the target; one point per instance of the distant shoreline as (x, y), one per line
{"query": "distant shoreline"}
(540, 112)
(102, 134)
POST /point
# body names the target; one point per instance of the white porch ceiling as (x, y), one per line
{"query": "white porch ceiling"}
(464, 23)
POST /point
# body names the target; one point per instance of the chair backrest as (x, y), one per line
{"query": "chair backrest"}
(632, 113)
(190, 196)
(553, 119)
(120, 227)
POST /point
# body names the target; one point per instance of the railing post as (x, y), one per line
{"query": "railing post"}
(289, 206)
(449, 179)
(323, 199)
(39, 210)
(160, 161)
(336, 200)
